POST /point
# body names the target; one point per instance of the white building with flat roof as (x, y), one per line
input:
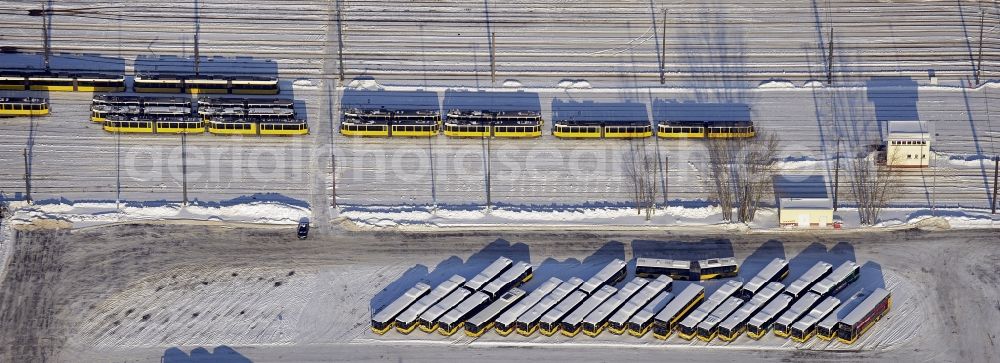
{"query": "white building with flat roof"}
(908, 144)
(803, 201)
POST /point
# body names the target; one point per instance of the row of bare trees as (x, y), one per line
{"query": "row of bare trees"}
(741, 172)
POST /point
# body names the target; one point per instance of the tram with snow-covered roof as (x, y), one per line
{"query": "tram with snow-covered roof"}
(579, 318)
(667, 320)
(805, 328)
(815, 273)
(761, 322)
(103, 105)
(23, 106)
(507, 322)
(687, 329)
(802, 306)
(618, 323)
(597, 320)
(385, 318)
(584, 129)
(455, 318)
(774, 271)
(485, 319)
(407, 320)
(843, 275)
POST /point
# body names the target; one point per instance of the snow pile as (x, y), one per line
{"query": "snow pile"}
(304, 84)
(63, 215)
(776, 84)
(365, 84)
(574, 84)
(813, 84)
(512, 83)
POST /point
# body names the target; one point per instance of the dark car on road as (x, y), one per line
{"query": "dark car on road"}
(303, 230)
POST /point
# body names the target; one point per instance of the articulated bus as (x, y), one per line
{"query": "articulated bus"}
(775, 271)
(455, 318)
(783, 325)
(705, 129)
(761, 323)
(527, 323)
(597, 320)
(103, 105)
(407, 320)
(484, 320)
(805, 328)
(640, 323)
(872, 309)
(618, 323)
(491, 272)
(803, 283)
(651, 267)
(707, 329)
(666, 320)
(736, 324)
(611, 274)
(384, 319)
(843, 275)
(572, 324)
(428, 320)
(507, 321)
(549, 323)
(688, 328)
(714, 268)
(12, 107)
(569, 129)
(515, 276)
(826, 329)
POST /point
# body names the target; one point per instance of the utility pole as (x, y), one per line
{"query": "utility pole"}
(979, 58)
(44, 13)
(333, 184)
(829, 60)
(430, 155)
(197, 31)
(486, 167)
(340, 41)
(27, 177)
(118, 169)
(836, 177)
(184, 178)
(996, 178)
(663, 51)
(493, 57)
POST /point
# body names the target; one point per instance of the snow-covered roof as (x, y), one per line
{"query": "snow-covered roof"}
(907, 129)
(798, 189)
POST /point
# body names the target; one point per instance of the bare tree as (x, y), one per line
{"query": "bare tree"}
(740, 173)
(872, 182)
(639, 166)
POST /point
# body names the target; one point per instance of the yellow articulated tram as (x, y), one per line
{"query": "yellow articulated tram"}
(206, 84)
(13, 82)
(100, 83)
(104, 105)
(385, 123)
(231, 126)
(158, 84)
(209, 107)
(283, 127)
(505, 124)
(51, 82)
(245, 85)
(12, 107)
(705, 129)
(573, 129)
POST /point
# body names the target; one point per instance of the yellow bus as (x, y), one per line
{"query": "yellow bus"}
(666, 320)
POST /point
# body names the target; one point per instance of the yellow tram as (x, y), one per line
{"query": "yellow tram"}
(385, 123)
(206, 84)
(231, 126)
(51, 82)
(100, 83)
(705, 129)
(103, 105)
(13, 82)
(12, 107)
(570, 129)
(157, 84)
(247, 85)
